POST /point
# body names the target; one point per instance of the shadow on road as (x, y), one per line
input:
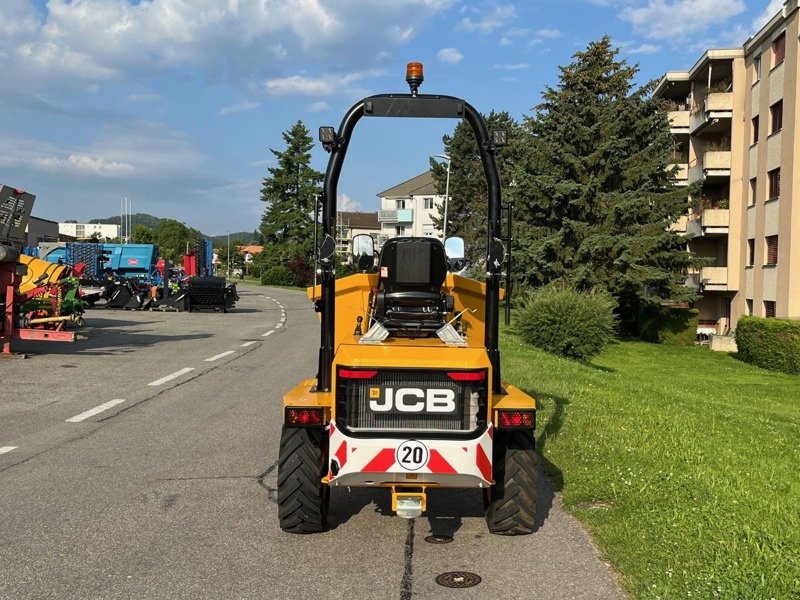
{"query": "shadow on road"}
(97, 343)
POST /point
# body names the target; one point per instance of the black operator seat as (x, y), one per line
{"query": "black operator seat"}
(409, 300)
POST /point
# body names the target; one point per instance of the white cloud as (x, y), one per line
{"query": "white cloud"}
(486, 21)
(512, 67)
(320, 106)
(82, 164)
(325, 85)
(506, 41)
(450, 55)
(547, 33)
(242, 41)
(134, 149)
(661, 19)
(346, 203)
(236, 108)
(644, 49)
(772, 9)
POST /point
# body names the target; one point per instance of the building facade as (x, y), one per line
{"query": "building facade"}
(408, 209)
(733, 119)
(87, 230)
(351, 224)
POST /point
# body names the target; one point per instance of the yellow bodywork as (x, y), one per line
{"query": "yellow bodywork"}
(40, 272)
(352, 300)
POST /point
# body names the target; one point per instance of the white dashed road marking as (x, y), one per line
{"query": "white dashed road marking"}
(220, 355)
(171, 376)
(250, 343)
(94, 411)
(279, 325)
(4, 449)
(270, 332)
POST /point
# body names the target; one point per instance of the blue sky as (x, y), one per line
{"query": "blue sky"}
(175, 103)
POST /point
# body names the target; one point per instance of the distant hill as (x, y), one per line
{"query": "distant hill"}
(136, 219)
(239, 238)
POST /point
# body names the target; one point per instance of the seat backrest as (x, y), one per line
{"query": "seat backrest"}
(410, 266)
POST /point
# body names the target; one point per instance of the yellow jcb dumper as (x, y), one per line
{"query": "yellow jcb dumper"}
(408, 394)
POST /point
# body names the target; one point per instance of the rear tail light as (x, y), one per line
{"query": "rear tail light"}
(516, 419)
(467, 375)
(304, 417)
(353, 374)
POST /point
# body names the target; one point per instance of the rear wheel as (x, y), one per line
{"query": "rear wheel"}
(302, 463)
(510, 504)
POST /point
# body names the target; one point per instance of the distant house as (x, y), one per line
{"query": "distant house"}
(40, 230)
(408, 208)
(87, 230)
(351, 224)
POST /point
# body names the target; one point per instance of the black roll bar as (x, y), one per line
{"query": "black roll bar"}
(421, 106)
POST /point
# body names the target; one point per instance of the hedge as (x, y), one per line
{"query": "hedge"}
(670, 325)
(770, 343)
(278, 275)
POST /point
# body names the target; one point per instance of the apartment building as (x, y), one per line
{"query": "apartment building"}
(408, 208)
(733, 119)
(87, 230)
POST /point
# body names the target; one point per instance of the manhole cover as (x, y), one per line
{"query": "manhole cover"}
(439, 539)
(458, 579)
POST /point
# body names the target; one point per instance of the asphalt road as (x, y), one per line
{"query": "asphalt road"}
(141, 463)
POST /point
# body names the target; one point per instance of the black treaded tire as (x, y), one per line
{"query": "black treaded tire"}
(302, 497)
(510, 505)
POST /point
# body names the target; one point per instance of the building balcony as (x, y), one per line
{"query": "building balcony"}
(400, 215)
(680, 225)
(681, 173)
(679, 121)
(712, 114)
(713, 163)
(715, 221)
(714, 279)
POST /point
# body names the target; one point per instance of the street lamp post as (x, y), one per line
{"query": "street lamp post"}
(446, 193)
(229, 255)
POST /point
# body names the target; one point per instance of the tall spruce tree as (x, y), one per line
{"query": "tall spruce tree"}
(467, 206)
(594, 196)
(289, 190)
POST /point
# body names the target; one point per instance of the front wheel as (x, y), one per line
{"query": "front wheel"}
(510, 505)
(302, 463)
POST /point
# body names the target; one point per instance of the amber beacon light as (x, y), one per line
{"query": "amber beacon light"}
(414, 76)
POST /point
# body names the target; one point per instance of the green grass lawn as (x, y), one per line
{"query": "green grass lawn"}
(683, 463)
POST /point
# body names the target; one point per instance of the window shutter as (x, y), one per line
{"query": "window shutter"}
(772, 249)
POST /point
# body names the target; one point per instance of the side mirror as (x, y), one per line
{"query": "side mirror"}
(497, 255)
(363, 251)
(454, 249)
(326, 249)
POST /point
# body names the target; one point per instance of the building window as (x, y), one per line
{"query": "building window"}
(749, 307)
(769, 309)
(772, 249)
(776, 116)
(753, 185)
(774, 184)
(751, 252)
(757, 69)
(400, 230)
(401, 204)
(778, 50)
(428, 203)
(755, 129)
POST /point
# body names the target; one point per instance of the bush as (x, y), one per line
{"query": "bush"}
(770, 343)
(302, 271)
(564, 321)
(670, 325)
(279, 275)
